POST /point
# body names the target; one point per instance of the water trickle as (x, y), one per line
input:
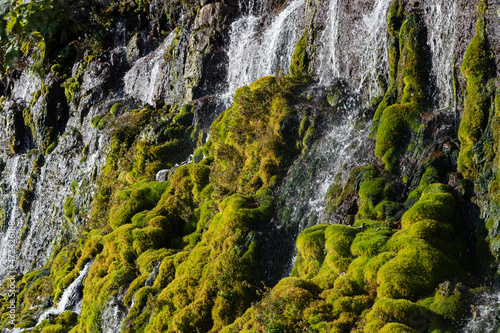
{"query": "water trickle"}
(71, 298)
(359, 55)
(374, 55)
(328, 62)
(145, 79)
(113, 315)
(440, 18)
(254, 53)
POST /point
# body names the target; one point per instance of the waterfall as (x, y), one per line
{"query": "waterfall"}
(254, 53)
(71, 298)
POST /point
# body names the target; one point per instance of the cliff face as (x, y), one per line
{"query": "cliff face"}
(226, 166)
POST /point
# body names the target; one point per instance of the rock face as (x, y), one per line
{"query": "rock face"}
(198, 152)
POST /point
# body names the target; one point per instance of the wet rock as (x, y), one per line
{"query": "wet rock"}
(162, 175)
(134, 48)
(213, 15)
(113, 314)
(206, 109)
(445, 288)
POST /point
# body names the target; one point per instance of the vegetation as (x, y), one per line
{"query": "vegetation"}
(183, 245)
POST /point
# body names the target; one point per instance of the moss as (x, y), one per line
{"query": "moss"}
(311, 242)
(2, 218)
(25, 200)
(300, 58)
(476, 68)
(55, 329)
(115, 109)
(414, 272)
(435, 203)
(148, 238)
(370, 243)
(395, 17)
(394, 124)
(397, 328)
(67, 318)
(451, 307)
(50, 148)
(309, 136)
(140, 312)
(99, 122)
(258, 132)
(198, 155)
(401, 311)
(143, 197)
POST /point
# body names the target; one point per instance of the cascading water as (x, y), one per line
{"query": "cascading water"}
(71, 298)
(302, 197)
(254, 53)
(344, 145)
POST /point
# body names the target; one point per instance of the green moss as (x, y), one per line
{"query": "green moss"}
(395, 17)
(311, 242)
(476, 68)
(115, 109)
(55, 329)
(143, 197)
(394, 124)
(99, 122)
(50, 148)
(25, 197)
(451, 307)
(309, 137)
(300, 58)
(67, 318)
(370, 243)
(386, 311)
(414, 272)
(148, 238)
(435, 203)
(140, 312)
(397, 328)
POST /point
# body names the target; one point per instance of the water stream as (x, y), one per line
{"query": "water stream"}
(71, 298)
